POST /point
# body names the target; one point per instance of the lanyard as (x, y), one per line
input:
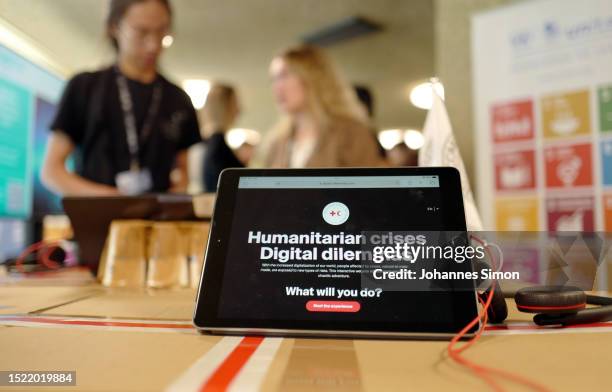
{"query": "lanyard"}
(129, 118)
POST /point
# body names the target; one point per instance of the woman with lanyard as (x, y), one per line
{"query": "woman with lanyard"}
(128, 127)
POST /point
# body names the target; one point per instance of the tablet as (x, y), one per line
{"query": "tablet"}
(290, 253)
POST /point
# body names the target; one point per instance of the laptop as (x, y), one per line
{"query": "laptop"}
(303, 252)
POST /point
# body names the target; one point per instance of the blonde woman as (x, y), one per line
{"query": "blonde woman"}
(323, 124)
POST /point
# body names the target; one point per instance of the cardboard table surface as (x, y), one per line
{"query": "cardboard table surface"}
(136, 304)
(92, 330)
(22, 299)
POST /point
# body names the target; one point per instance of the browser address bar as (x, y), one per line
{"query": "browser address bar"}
(340, 182)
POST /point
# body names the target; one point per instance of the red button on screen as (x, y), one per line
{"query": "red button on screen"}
(333, 306)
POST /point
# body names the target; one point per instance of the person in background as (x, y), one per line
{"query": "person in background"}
(127, 126)
(365, 97)
(218, 115)
(323, 124)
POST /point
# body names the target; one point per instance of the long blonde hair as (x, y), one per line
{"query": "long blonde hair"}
(329, 96)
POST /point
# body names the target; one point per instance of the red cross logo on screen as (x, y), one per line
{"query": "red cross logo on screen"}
(335, 213)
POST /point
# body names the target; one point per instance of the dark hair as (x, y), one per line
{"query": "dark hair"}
(364, 94)
(117, 10)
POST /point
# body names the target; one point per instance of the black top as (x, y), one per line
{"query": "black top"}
(90, 114)
(217, 156)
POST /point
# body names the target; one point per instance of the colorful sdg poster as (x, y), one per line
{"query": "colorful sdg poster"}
(570, 214)
(517, 214)
(604, 99)
(568, 165)
(566, 114)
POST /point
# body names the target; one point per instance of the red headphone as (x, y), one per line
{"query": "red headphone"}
(553, 305)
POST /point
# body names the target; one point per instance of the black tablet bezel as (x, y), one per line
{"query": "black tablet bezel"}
(205, 313)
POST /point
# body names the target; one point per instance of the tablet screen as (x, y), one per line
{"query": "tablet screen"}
(287, 250)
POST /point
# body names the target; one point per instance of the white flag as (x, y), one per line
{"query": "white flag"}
(440, 149)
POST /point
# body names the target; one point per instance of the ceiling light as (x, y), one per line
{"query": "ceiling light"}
(253, 137)
(390, 138)
(197, 89)
(413, 139)
(236, 137)
(421, 94)
(167, 41)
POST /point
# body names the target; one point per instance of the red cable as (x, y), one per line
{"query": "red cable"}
(480, 370)
(45, 258)
(33, 248)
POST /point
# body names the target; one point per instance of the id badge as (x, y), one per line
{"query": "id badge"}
(134, 182)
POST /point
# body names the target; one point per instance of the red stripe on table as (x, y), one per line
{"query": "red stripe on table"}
(227, 371)
(96, 323)
(532, 327)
